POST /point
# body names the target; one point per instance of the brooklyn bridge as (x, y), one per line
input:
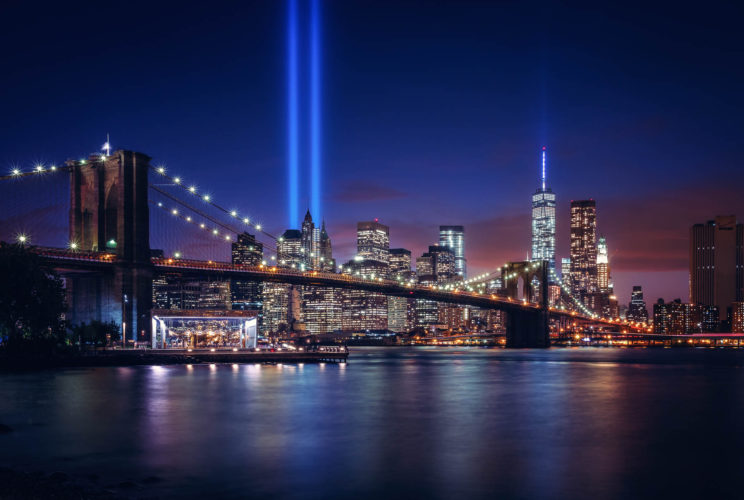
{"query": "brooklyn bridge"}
(108, 264)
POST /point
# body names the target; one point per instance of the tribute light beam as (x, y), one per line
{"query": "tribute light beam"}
(315, 120)
(292, 116)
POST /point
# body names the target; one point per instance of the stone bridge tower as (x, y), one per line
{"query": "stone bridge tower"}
(527, 328)
(109, 212)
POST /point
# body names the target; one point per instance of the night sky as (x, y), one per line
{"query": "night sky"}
(433, 113)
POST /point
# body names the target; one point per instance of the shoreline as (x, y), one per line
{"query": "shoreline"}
(179, 357)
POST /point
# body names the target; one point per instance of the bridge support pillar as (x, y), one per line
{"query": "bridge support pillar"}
(134, 284)
(527, 329)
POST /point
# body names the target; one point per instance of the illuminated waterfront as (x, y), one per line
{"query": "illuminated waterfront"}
(423, 422)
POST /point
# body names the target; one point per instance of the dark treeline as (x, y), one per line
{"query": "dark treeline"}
(32, 307)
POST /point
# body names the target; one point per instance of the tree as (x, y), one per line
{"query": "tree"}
(96, 332)
(32, 301)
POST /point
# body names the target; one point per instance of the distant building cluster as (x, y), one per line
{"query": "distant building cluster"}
(585, 274)
(716, 282)
(583, 281)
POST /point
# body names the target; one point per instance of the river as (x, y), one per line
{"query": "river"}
(419, 422)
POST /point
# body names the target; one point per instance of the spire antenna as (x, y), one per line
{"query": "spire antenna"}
(107, 146)
(543, 168)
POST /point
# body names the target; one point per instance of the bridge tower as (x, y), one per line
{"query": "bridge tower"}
(527, 327)
(109, 212)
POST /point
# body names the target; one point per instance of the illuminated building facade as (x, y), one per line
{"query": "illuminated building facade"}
(435, 267)
(583, 276)
(637, 308)
(737, 317)
(399, 308)
(321, 306)
(246, 295)
(362, 310)
(603, 266)
(214, 295)
(543, 221)
(566, 270)
(454, 238)
(280, 301)
(373, 241)
(677, 318)
(717, 264)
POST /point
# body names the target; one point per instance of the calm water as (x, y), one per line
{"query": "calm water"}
(396, 422)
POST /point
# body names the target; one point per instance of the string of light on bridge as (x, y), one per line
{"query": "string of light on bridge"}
(224, 234)
(38, 169)
(187, 218)
(207, 198)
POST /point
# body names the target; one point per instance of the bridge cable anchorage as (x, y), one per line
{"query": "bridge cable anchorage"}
(200, 213)
(177, 181)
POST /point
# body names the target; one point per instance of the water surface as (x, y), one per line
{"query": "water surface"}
(396, 422)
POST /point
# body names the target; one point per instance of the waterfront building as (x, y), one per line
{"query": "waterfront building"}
(361, 310)
(717, 264)
(543, 221)
(583, 276)
(320, 309)
(214, 295)
(677, 318)
(399, 316)
(246, 295)
(275, 307)
(427, 313)
(454, 238)
(737, 315)
(280, 302)
(435, 267)
(637, 308)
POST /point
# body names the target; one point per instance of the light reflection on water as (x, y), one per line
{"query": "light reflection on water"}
(422, 422)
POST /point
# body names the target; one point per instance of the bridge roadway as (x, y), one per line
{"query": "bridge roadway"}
(72, 260)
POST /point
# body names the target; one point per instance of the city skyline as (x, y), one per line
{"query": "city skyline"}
(642, 156)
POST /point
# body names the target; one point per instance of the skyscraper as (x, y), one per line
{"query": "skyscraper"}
(603, 266)
(373, 241)
(280, 301)
(583, 247)
(717, 264)
(325, 250)
(321, 306)
(543, 221)
(454, 238)
(310, 239)
(637, 308)
(368, 310)
(399, 308)
(437, 266)
(246, 294)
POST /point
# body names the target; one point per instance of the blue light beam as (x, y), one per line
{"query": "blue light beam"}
(293, 165)
(315, 120)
